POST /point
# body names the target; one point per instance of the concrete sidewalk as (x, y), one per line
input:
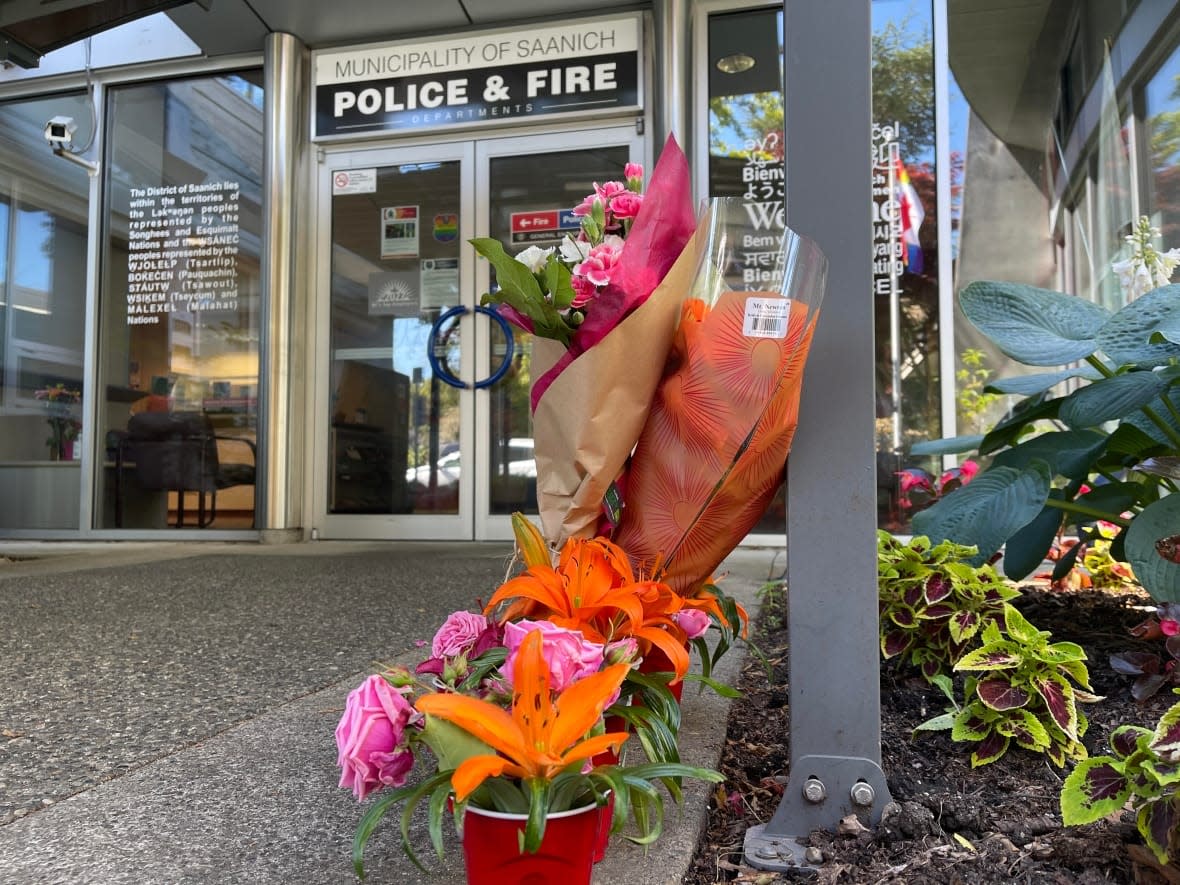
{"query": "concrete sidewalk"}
(167, 711)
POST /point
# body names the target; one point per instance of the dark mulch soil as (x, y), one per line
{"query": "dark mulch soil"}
(948, 823)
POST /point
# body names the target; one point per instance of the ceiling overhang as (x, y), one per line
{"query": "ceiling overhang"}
(1006, 58)
(31, 28)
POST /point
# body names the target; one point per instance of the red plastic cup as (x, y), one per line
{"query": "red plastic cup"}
(566, 855)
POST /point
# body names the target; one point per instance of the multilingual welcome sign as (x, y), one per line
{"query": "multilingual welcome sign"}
(485, 77)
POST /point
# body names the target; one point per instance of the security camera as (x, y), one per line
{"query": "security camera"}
(59, 131)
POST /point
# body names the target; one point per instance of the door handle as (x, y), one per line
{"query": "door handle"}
(442, 370)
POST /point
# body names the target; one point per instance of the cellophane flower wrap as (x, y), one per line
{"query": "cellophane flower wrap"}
(591, 400)
(712, 453)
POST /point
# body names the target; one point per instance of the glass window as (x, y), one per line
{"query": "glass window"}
(180, 304)
(44, 204)
(1163, 139)
(905, 244)
(746, 134)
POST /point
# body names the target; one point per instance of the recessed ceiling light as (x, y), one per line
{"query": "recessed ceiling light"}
(735, 64)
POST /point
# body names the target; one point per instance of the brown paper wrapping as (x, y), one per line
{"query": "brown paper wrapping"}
(586, 424)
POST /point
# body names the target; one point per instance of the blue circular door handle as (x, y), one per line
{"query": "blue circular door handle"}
(440, 368)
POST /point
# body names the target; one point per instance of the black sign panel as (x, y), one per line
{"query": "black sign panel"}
(486, 95)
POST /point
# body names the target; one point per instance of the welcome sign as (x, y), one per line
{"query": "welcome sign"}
(487, 77)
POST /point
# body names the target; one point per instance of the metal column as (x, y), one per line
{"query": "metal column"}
(835, 704)
(285, 137)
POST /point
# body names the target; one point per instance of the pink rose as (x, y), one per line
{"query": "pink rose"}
(692, 621)
(626, 205)
(457, 634)
(569, 655)
(371, 738)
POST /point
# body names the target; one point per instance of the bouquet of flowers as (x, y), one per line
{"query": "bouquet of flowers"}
(668, 376)
(513, 712)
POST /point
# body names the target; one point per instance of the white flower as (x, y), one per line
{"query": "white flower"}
(534, 258)
(1145, 269)
(574, 251)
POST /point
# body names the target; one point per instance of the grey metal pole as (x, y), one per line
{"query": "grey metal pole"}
(280, 484)
(835, 706)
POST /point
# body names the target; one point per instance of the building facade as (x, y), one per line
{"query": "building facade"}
(236, 294)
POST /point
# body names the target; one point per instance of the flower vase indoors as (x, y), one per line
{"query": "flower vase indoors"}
(511, 712)
(63, 426)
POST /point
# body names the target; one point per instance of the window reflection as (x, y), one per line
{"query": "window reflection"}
(43, 212)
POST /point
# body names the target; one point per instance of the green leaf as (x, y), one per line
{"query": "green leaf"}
(951, 445)
(1095, 788)
(557, 281)
(1023, 417)
(990, 749)
(1126, 337)
(1110, 399)
(1001, 655)
(1038, 327)
(1030, 385)
(989, 510)
(1165, 741)
(1157, 824)
(937, 723)
(1159, 577)
(1019, 628)
(520, 289)
(1069, 453)
(1149, 427)
(1028, 547)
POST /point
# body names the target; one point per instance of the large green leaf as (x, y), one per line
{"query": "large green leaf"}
(1024, 415)
(1069, 453)
(951, 445)
(1027, 549)
(1127, 336)
(1110, 399)
(1030, 385)
(1159, 577)
(1144, 423)
(1038, 327)
(989, 510)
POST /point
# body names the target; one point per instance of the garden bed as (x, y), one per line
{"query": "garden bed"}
(1000, 823)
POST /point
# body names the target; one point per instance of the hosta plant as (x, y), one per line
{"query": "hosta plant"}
(1144, 769)
(1112, 448)
(932, 603)
(1020, 689)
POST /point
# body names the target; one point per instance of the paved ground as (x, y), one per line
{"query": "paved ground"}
(167, 711)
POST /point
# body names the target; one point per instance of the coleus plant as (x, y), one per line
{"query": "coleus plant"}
(1113, 450)
(1143, 768)
(932, 603)
(1020, 690)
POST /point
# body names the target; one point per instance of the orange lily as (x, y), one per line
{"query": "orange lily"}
(593, 589)
(542, 735)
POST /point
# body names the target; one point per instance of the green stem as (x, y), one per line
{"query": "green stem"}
(1151, 413)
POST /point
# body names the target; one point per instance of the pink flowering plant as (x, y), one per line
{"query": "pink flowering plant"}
(475, 711)
(549, 291)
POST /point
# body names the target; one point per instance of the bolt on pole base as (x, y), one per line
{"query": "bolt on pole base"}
(822, 792)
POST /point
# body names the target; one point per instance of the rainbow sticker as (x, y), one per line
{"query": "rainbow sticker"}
(446, 227)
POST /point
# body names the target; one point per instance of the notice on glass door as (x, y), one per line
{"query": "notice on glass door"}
(399, 232)
(182, 250)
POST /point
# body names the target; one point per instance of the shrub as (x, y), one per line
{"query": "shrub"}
(932, 603)
(1144, 768)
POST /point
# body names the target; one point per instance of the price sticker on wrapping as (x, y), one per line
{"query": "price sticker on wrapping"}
(766, 317)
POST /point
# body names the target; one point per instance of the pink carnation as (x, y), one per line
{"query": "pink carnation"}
(692, 621)
(584, 291)
(601, 261)
(633, 171)
(371, 738)
(610, 190)
(626, 204)
(567, 652)
(587, 205)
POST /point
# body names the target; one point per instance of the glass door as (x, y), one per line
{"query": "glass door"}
(423, 428)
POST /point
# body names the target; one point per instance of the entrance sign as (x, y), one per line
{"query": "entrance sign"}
(488, 77)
